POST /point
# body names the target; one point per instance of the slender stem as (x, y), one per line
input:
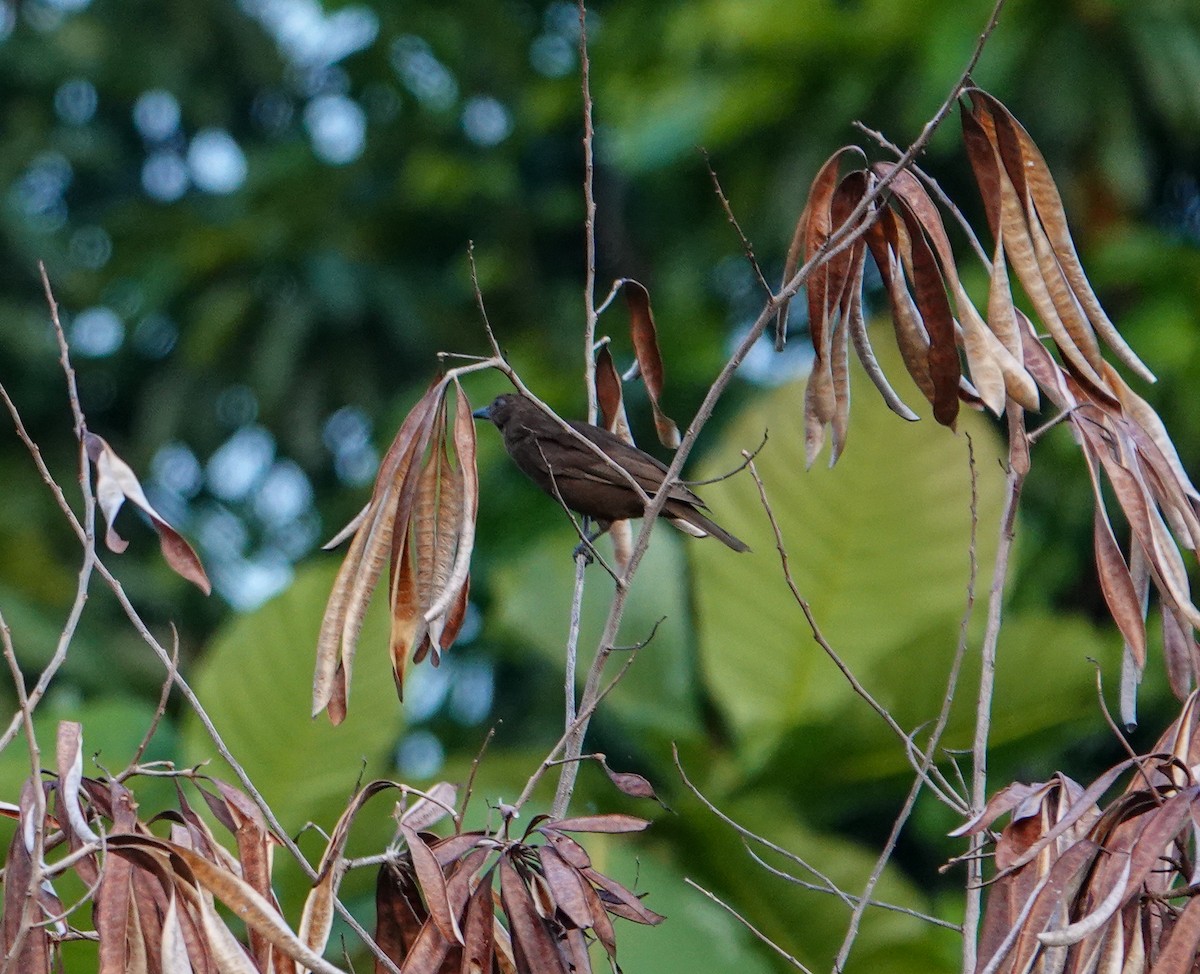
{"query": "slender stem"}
(35, 811)
(749, 926)
(573, 641)
(850, 897)
(987, 678)
(936, 189)
(552, 759)
(935, 738)
(589, 220)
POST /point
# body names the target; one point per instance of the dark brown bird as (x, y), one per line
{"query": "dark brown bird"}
(564, 467)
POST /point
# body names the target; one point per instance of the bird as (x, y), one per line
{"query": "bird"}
(568, 470)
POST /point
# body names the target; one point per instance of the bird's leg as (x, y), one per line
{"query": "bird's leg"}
(585, 546)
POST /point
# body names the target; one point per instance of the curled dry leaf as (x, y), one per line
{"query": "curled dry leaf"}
(437, 905)
(955, 354)
(153, 898)
(421, 520)
(629, 783)
(649, 359)
(116, 483)
(608, 395)
(1079, 887)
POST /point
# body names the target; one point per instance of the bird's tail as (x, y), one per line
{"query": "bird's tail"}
(691, 521)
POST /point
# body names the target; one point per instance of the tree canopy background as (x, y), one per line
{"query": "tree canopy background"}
(256, 215)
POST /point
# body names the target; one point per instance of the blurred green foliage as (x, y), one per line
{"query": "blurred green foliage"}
(255, 216)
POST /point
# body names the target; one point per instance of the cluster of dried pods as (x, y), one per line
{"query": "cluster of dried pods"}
(1079, 887)
(1007, 365)
(473, 901)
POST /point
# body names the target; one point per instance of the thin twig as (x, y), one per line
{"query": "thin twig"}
(572, 653)
(1014, 480)
(37, 808)
(829, 887)
(935, 737)
(1121, 738)
(160, 710)
(603, 306)
(747, 456)
(935, 188)
(819, 638)
(585, 714)
(747, 247)
(84, 529)
(749, 926)
(466, 799)
(850, 897)
(589, 219)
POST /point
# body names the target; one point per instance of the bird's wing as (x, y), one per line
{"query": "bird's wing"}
(647, 470)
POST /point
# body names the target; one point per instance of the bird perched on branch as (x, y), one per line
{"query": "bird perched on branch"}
(567, 469)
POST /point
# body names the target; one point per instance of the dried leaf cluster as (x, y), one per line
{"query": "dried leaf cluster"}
(421, 521)
(995, 358)
(1080, 887)
(436, 904)
(937, 326)
(154, 898)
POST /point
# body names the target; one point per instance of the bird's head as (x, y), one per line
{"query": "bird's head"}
(500, 410)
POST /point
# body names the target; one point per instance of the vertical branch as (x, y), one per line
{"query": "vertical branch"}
(37, 811)
(1018, 467)
(566, 781)
(589, 221)
(573, 640)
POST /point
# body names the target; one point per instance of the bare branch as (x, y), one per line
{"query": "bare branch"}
(1015, 479)
(749, 926)
(747, 247)
(849, 897)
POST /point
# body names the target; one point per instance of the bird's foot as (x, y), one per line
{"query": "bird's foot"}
(585, 551)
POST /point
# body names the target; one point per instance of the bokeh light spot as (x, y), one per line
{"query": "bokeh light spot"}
(97, 332)
(486, 121)
(216, 162)
(240, 463)
(165, 176)
(156, 114)
(337, 127)
(75, 101)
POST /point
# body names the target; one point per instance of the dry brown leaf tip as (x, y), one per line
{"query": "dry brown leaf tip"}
(116, 483)
(649, 359)
(420, 521)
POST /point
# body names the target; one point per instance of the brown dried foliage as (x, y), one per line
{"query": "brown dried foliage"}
(154, 894)
(116, 483)
(1085, 887)
(421, 521)
(437, 904)
(956, 353)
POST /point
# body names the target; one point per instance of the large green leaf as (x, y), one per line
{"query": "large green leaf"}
(878, 545)
(256, 683)
(113, 727)
(533, 600)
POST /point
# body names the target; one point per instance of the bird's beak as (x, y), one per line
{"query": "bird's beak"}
(483, 412)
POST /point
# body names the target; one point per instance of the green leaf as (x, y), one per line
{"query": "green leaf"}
(256, 683)
(878, 546)
(533, 601)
